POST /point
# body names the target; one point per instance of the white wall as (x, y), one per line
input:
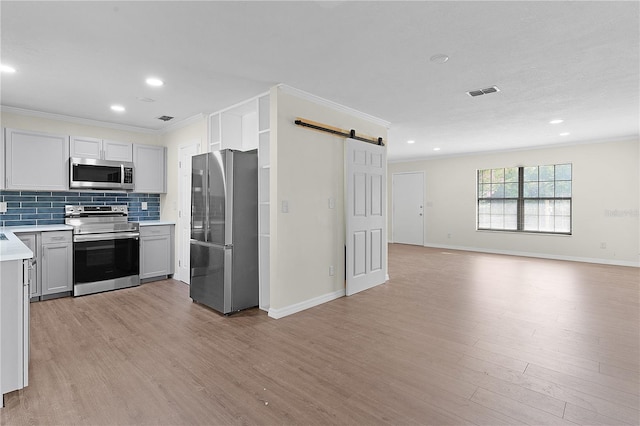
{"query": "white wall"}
(307, 168)
(195, 131)
(606, 188)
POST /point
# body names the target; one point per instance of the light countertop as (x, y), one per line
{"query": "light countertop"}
(155, 222)
(12, 248)
(38, 228)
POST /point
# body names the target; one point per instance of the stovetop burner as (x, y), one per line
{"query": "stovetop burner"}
(99, 219)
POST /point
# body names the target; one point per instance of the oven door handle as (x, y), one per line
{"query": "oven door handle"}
(105, 236)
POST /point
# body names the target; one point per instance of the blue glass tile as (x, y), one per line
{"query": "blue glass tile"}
(34, 204)
(49, 210)
(36, 216)
(18, 198)
(50, 221)
(50, 198)
(6, 217)
(13, 204)
(34, 193)
(20, 211)
(72, 199)
(19, 222)
(105, 199)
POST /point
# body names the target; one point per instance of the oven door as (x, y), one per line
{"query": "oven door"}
(105, 257)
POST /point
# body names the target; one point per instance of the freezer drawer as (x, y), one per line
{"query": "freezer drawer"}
(211, 276)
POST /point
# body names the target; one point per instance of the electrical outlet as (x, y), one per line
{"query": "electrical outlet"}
(3, 206)
(332, 271)
(603, 245)
(448, 235)
(332, 203)
(285, 206)
(144, 205)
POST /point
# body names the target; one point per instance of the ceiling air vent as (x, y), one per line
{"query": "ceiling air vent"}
(492, 89)
(165, 118)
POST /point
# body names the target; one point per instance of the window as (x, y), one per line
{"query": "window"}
(525, 199)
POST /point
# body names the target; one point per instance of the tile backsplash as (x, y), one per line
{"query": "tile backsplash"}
(47, 208)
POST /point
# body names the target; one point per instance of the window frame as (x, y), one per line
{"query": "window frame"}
(521, 200)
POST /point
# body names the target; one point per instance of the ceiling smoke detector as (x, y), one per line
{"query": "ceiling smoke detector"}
(479, 92)
(165, 118)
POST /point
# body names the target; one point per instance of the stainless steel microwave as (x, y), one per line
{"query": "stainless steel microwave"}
(89, 173)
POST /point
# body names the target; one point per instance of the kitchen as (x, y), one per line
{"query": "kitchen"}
(301, 226)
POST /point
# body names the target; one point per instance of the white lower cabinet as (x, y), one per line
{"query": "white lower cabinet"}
(156, 252)
(32, 240)
(57, 262)
(14, 325)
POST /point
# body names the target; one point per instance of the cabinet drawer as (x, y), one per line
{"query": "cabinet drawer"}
(146, 231)
(56, 237)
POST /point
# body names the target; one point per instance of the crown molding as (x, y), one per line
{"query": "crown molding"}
(180, 124)
(76, 120)
(333, 105)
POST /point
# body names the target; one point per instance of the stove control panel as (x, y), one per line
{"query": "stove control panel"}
(121, 210)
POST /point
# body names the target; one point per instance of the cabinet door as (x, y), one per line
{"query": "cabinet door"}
(14, 326)
(117, 151)
(30, 240)
(150, 163)
(154, 256)
(86, 147)
(56, 268)
(36, 161)
(2, 174)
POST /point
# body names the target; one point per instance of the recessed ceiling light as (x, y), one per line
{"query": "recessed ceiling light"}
(156, 82)
(440, 58)
(411, 141)
(565, 134)
(117, 108)
(557, 121)
(7, 68)
(436, 149)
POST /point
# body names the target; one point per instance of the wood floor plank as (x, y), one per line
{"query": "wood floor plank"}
(453, 338)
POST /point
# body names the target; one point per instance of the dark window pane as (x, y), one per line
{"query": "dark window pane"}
(511, 190)
(563, 188)
(531, 189)
(563, 172)
(546, 189)
(511, 174)
(497, 207)
(497, 190)
(546, 173)
(530, 174)
(485, 190)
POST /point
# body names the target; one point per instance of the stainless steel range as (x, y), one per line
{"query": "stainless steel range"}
(105, 248)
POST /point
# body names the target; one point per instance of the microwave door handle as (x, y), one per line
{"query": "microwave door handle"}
(122, 174)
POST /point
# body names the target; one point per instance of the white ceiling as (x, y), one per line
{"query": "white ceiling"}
(578, 61)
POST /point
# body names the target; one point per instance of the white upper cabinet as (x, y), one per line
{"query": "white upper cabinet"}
(101, 149)
(2, 174)
(36, 161)
(150, 168)
(235, 127)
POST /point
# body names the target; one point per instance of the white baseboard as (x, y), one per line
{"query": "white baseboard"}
(301, 306)
(539, 255)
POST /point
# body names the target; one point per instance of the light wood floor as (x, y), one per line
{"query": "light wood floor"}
(454, 338)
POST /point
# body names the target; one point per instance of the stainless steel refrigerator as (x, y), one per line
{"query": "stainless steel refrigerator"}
(224, 230)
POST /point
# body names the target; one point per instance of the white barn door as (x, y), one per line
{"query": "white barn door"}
(366, 223)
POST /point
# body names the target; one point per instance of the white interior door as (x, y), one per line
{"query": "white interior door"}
(408, 208)
(365, 210)
(186, 151)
